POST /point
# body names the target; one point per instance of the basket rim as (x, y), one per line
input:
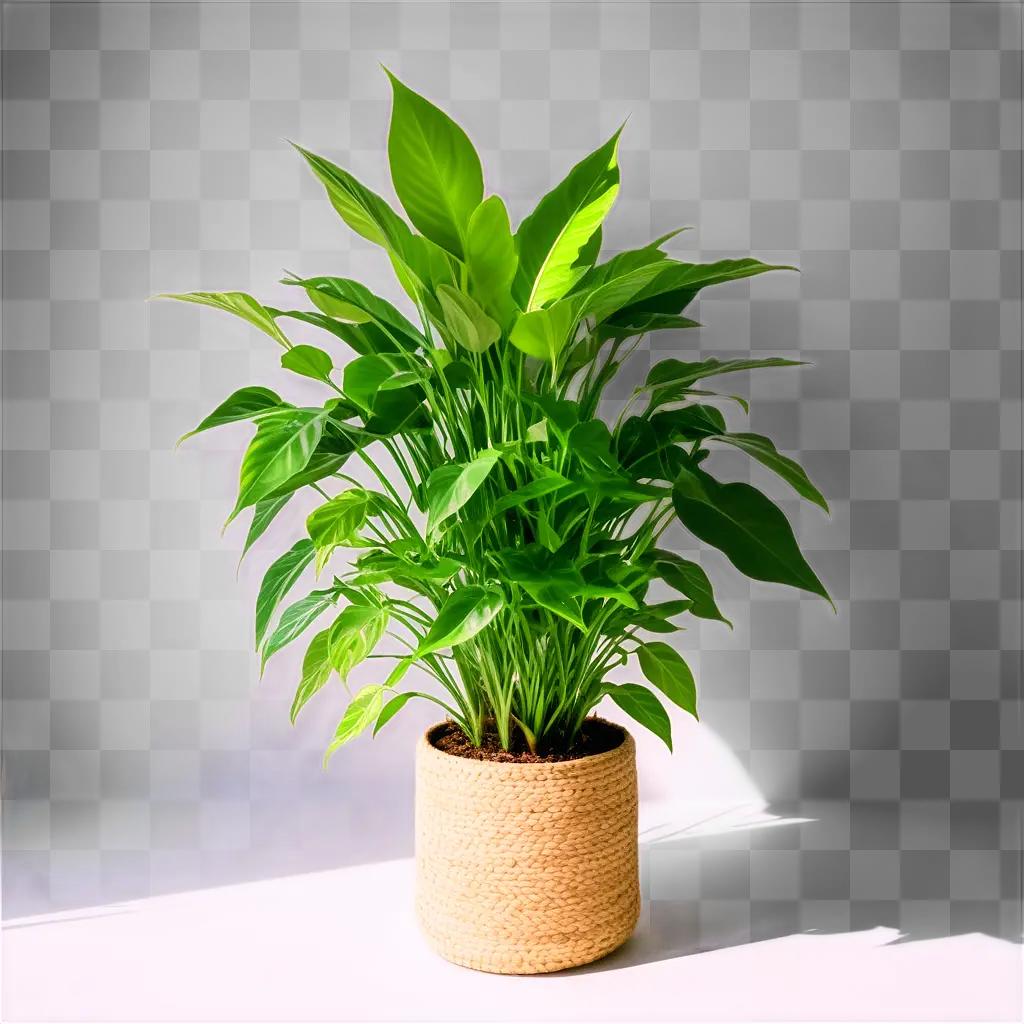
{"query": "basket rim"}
(624, 749)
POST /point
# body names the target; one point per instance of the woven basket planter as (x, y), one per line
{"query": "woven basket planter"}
(526, 868)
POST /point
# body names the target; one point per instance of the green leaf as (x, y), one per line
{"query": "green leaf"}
(692, 581)
(491, 259)
(669, 380)
(642, 706)
(367, 376)
(434, 167)
(608, 298)
(323, 463)
(624, 263)
(263, 514)
(466, 612)
(764, 451)
(552, 239)
(629, 325)
(746, 527)
(537, 488)
(241, 305)
(360, 713)
(663, 666)
(245, 404)
(545, 332)
(690, 423)
(419, 265)
(308, 361)
(354, 635)
(678, 283)
(364, 339)
(392, 708)
(471, 327)
(337, 522)
(295, 619)
(316, 670)
(363, 210)
(382, 566)
(591, 442)
(355, 300)
(450, 486)
(278, 580)
(283, 445)
(557, 586)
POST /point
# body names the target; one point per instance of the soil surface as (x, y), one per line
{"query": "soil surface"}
(596, 737)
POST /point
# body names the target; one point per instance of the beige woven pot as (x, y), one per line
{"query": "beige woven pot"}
(526, 868)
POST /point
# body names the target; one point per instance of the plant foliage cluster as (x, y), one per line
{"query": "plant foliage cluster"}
(512, 536)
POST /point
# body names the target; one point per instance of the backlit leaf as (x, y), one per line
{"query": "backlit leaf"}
(241, 305)
(551, 240)
(360, 713)
(434, 167)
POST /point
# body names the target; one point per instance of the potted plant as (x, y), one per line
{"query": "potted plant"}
(511, 538)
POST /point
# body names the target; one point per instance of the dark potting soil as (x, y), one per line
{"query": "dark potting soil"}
(595, 737)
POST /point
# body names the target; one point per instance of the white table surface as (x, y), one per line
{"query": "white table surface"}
(342, 945)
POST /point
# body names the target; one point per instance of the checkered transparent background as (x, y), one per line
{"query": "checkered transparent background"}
(874, 145)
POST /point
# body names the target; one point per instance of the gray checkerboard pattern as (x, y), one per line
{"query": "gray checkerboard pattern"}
(877, 146)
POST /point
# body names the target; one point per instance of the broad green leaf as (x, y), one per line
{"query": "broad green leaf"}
(537, 432)
(316, 670)
(343, 294)
(669, 380)
(294, 621)
(367, 376)
(434, 167)
(663, 666)
(556, 586)
(603, 301)
(561, 414)
(764, 451)
(419, 265)
(591, 442)
(263, 514)
(678, 283)
(360, 713)
(364, 339)
(692, 581)
(749, 529)
(239, 303)
(491, 258)
(354, 635)
(690, 423)
(323, 463)
(383, 566)
(396, 704)
(283, 445)
(624, 263)
(337, 522)
(364, 211)
(450, 486)
(543, 333)
(392, 708)
(308, 361)
(642, 706)
(634, 323)
(245, 404)
(463, 615)
(552, 239)
(538, 488)
(471, 327)
(278, 580)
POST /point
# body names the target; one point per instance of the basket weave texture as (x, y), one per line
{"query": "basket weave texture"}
(526, 868)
